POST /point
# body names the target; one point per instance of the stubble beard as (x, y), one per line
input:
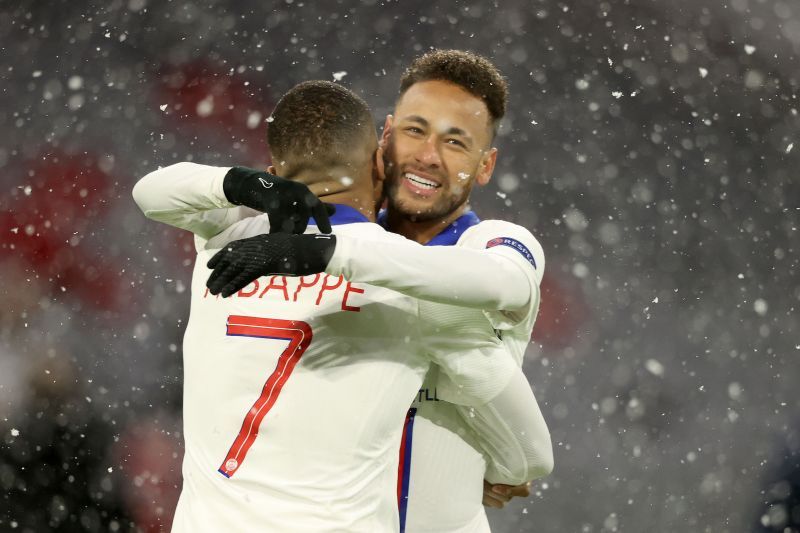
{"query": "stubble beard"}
(444, 206)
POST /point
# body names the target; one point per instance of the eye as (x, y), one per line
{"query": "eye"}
(456, 142)
(414, 130)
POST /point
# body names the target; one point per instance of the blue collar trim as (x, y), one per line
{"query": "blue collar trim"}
(449, 235)
(344, 215)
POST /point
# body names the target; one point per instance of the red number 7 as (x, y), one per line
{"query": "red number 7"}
(299, 336)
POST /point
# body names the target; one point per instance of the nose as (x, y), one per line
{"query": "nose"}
(428, 153)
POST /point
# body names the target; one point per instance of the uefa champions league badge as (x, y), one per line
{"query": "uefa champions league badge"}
(231, 464)
(516, 245)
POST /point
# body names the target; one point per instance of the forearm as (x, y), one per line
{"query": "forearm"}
(444, 274)
(189, 196)
(513, 434)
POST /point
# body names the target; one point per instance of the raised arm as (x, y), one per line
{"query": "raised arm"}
(496, 268)
(189, 196)
(206, 200)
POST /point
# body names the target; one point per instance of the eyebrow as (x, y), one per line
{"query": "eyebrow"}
(452, 131)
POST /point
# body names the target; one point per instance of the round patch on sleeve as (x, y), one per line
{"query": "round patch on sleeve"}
(516, 245)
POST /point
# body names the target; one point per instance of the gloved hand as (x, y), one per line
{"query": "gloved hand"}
(289, 204)
(240, 262)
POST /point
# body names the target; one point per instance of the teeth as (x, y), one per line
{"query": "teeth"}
(422, 182)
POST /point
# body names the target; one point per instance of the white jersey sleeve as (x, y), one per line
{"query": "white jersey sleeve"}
(243, 229)
(473, 362)
(496, 266)
(503, 439)
(477, 374)
(522, 250)
(189, 196)
(512, 433)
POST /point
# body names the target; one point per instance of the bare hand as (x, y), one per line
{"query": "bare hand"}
(498, 496)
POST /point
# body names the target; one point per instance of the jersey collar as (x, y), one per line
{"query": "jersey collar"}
(449, 235)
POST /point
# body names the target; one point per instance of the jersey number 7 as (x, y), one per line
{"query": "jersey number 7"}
(299, 336)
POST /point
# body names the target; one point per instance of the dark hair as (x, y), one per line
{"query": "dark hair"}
(319, 121)
(473, 72)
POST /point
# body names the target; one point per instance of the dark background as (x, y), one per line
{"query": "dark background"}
(651, 146)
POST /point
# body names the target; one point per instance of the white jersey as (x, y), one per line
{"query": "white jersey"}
(447, 459)
(295, 392)
(297, 435)
(445, 453)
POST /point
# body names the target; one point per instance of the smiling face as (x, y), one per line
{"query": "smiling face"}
(437, 145)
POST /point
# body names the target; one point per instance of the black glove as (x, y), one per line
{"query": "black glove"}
(289, 204)
(245, 260)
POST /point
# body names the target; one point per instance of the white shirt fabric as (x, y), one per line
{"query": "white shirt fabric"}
(330, 459)
(454, 449)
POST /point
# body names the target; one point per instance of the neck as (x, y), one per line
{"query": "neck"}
(360, 202)
(331, 190)
(424, 230)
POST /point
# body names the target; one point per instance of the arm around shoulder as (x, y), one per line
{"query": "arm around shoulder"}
(522, 252)
(513, 434)
(188, 196)
(455, 275)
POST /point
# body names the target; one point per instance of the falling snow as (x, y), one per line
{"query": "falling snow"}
(658, 175)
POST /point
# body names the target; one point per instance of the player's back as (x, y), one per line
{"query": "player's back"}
(295, 390)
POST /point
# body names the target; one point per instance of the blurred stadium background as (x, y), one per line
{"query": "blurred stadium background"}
(651, 146)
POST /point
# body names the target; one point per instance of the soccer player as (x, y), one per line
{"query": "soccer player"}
(438, 145)
(317, 449)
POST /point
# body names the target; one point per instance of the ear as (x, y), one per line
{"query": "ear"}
(271, 169)
(387, 130)
(378, 178)
(380, 165)
(486, 167)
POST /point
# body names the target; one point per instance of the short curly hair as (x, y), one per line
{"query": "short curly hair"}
(318, 121)
(476, 74)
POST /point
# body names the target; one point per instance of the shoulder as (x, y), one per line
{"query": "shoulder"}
(359, 228)
(241, 229)
(487, 227)
(502, 235)
(368, 231)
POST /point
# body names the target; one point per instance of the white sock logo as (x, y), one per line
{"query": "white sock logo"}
(265, 183)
